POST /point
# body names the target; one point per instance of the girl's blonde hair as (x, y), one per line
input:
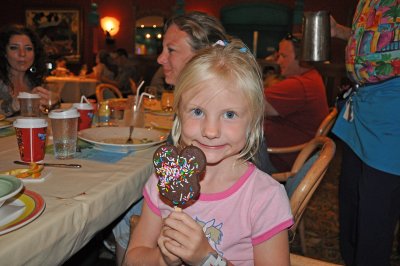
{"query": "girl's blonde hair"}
(232, 63)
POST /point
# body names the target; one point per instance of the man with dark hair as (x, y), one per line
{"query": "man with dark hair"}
(126, 71)
(296, 105)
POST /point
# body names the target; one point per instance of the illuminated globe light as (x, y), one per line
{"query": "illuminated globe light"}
(110, 25)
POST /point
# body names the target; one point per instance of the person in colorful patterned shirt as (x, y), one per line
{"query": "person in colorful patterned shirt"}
(369, 125)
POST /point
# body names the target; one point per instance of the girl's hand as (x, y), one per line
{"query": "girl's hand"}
(44, 95)
(188, 240)
(169, 258)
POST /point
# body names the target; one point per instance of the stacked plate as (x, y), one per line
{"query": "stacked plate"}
(17, 207)
(4, 123)
(9, 187)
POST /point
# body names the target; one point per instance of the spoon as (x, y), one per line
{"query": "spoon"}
(129, 140)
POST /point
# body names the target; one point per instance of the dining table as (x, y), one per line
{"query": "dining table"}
(71, 88)
(79, 202)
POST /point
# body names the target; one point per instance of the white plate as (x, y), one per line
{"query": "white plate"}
(44, 175)
(113, 138)
(9, 187)
(5, 124)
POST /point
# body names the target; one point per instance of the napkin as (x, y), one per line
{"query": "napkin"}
(9, 212)
(87, 151)
(100, 155)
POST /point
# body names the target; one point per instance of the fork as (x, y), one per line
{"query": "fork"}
(129, 140)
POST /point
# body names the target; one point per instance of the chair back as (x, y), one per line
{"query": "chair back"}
(327, 124)
(307, 172)
(323, 130)
(105, 88)
(133, 86)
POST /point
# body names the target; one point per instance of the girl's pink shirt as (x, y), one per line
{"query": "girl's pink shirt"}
(248, 213)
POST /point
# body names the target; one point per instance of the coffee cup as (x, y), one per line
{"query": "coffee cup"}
(86, 115)
(64, 125)
(31, 138)
(29, 104)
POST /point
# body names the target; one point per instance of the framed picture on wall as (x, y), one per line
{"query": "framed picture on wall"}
(59, 30)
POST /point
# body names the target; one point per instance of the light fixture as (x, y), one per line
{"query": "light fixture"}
(110, 27)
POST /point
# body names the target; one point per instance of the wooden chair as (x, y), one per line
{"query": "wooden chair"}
(133, 86)
(323, 130)
(103, 87)
(303, 179)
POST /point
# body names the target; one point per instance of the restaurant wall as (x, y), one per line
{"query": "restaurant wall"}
(13, 11)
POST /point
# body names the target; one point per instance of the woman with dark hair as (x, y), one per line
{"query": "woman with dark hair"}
(22, 67)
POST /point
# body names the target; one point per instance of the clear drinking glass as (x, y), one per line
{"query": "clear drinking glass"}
(167, 101)
(64, 124)
(54, 101)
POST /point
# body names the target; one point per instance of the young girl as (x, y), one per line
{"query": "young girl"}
(242, 214)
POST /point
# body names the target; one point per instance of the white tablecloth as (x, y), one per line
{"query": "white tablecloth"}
(79, 203)
(72, 88)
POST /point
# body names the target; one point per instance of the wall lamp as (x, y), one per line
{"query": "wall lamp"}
(110, 27)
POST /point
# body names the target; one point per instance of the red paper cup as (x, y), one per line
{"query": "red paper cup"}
(94, 104)
(31, 138)
(86, 115)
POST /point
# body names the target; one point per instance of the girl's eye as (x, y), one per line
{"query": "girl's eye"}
(29, 48)
(230, 115)
(197, 112)
(13, 47)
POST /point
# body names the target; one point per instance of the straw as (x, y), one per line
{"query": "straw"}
(137, 107)
(138, 92)
(84, 98)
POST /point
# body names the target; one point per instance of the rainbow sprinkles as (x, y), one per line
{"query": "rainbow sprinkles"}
(178, 173)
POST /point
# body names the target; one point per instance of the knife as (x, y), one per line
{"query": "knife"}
(52, 164)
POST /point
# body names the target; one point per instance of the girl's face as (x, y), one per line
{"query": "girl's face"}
(215, 117)
(175, 54)
(20, 53)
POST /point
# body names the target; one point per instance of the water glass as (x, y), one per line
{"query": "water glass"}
(64, 124)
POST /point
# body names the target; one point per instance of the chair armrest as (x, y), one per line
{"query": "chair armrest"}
(289, 149)
(282, 176)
